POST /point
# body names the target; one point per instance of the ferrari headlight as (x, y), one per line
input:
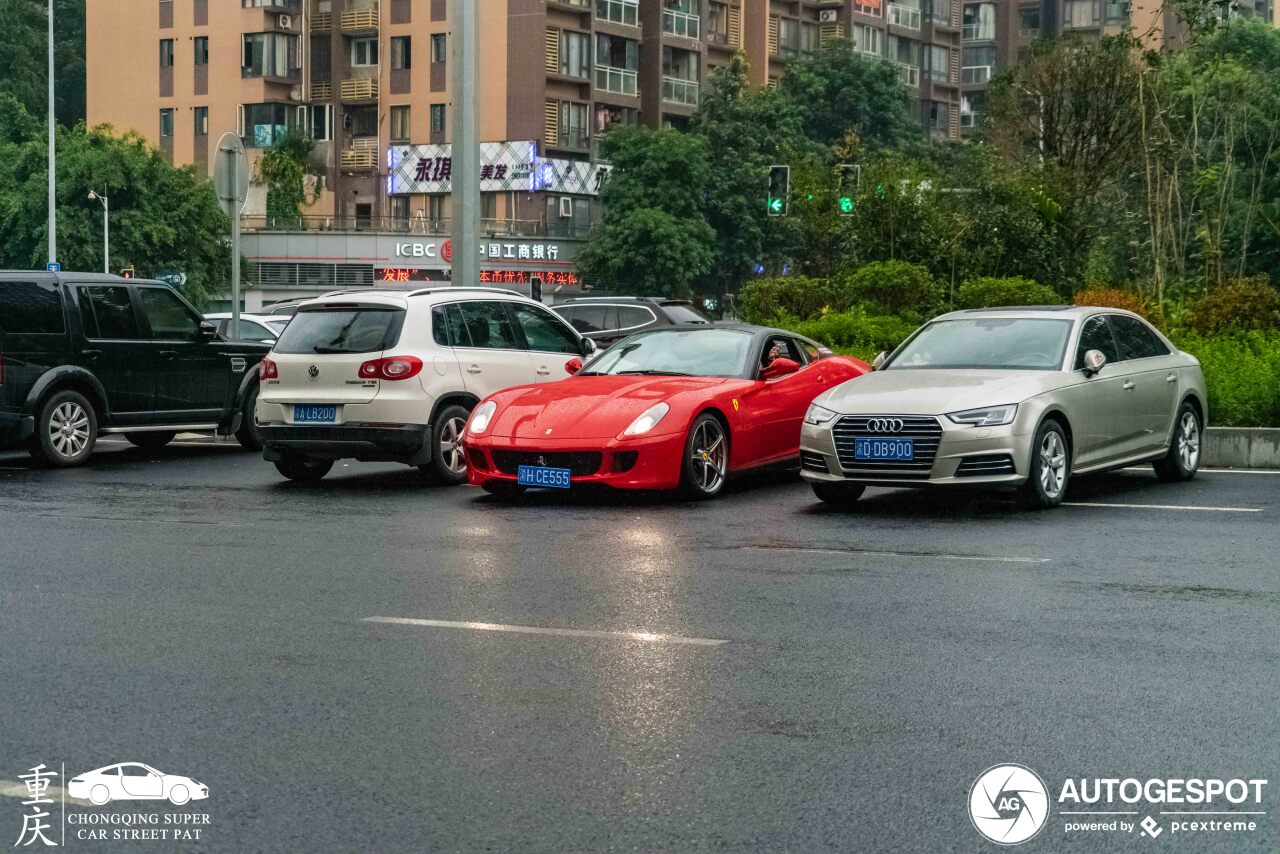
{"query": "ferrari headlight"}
(991, 416)
(481, 417)
(647, 420)
(818, 414)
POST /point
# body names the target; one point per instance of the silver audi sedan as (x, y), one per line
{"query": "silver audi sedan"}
(1018, 398)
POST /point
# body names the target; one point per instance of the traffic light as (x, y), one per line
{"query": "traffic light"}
(127, 273)
(850, 179)
(779, 189)
(535, 288)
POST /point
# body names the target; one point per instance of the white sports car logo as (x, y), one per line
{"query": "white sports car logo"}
(133, 781)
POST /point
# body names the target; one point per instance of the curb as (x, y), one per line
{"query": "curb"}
(1241, 447)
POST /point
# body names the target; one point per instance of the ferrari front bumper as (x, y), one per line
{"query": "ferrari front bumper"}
(645, 462)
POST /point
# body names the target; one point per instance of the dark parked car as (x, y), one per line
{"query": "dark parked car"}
(608, 319)
(83, 354)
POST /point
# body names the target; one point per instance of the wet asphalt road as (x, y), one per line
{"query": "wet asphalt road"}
(188, 609)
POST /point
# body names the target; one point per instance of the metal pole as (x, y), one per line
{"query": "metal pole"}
(53, 157)
(106, 236)
(466, 151)
(235, 250)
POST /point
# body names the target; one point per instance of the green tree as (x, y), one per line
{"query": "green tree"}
(838, 93)
(284, 168)
(655, 240)
(24, 51)
(161, 217)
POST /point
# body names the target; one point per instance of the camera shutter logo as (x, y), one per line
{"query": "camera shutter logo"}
(1008, 804)
(885, 425)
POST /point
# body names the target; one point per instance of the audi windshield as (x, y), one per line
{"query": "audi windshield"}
(987, 343)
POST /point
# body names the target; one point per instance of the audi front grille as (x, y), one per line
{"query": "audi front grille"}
(924, 431)
(985, 465)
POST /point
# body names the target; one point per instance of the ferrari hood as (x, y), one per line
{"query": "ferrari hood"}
(936, 392)
(587, 407)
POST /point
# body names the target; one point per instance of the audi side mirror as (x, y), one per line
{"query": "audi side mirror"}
(880, 359)
(1094, 361)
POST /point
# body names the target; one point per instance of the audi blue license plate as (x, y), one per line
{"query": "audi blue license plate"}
(883, 449)
(542, 476)
(312, 413)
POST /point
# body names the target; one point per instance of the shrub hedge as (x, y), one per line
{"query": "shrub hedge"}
(1242, 372)
(989, 292)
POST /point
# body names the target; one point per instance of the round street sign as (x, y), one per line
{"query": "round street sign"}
(231, 174)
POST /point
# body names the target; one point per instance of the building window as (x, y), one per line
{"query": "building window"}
(1078, 14)
(617, 64)
(573, 125)
(718, 22)
(874, 8)
(979, 22)
(166, 123)
(1029, 22)
(809, 37)
(166, 53)
(788, 36)
(200, 46)
(939, 64)
(401, 53)
(399, 124)
(438, 122)
(262, 124)
(439, 47)
(868, 40)
(269, 55)
(201, 116)
(575, 54)
(435, 208)
(618, 11)
(364, 53)
(320, 122)
(939, 117)
(1117, 10)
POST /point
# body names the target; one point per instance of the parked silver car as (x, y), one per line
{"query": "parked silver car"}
(1022, 398)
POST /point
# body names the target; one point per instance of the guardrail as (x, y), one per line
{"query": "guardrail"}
(617, 80)
(619, 11)
(680, 91)
(971, 74)
(681, 24)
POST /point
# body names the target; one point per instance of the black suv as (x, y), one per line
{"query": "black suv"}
(83, 354)
(608, 319)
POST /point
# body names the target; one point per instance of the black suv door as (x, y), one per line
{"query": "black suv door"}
(33, 339)
(114, 350)
(192, 375)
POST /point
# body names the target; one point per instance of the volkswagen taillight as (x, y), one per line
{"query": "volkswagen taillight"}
(267, 370)
(391, 368)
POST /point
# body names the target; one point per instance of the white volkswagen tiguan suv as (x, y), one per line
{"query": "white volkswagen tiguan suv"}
(393, 376)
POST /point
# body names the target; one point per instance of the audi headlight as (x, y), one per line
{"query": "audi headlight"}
(647, 420)
(481, 417)
(818, 414)
(991, 416)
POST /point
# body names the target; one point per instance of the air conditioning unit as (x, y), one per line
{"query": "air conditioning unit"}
(286, 22)
(828, 16)
(566, 207)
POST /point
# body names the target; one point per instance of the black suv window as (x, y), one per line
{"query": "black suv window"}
(632, 317)
(168, 317)
(107, 312)
(683, 312)
(588, 318)
(544, 331)
(1135, 339)
(30, 308)
(1096, 335)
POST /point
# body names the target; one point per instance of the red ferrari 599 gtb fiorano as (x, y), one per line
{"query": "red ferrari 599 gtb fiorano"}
(674, 408)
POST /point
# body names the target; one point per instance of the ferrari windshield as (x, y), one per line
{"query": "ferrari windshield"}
(692, 352)
(1010, 343)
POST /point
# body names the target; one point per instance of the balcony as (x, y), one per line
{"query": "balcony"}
(620, 81)
(904, 16)
(975, 74)
(977, 33)
(679, 91)
(360, 20)
(970, 120)
(361, 154)
(360, 89)
(625, 12)
(681, 24)
(910, 74)
(322, 21)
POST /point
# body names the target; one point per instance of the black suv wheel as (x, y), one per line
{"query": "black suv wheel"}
(66, 430)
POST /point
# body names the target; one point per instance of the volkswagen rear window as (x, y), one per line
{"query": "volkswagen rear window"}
(342, 329)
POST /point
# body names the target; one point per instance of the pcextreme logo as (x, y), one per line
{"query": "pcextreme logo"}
(53, 814)
(1009, 804)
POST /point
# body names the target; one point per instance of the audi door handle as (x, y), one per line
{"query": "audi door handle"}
(474, 369)
(1172, 378)
(1128, 386)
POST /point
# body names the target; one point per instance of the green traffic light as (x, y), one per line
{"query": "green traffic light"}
(775, 205)
(846, 204)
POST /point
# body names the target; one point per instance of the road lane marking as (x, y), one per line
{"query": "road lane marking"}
(648, 637)
(1242, 471)
(19, 790)
(121, 519)
(865, 553)
(1164, 507)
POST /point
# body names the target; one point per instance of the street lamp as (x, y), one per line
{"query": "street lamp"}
(106, 231)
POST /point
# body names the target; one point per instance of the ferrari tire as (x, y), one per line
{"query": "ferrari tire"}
(839, 494)
(705, 464)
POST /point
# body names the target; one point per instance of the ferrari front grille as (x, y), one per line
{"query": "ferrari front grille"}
(579, 463)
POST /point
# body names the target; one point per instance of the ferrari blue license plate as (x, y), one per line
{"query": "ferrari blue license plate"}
(312, 413)
(883, 449)
(542, 476)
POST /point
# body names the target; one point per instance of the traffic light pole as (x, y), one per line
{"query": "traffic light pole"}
(53, 157)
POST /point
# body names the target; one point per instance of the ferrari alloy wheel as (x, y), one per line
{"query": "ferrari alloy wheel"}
(1046, 483)
(448, 460)
(1183, 458)
(706, 459)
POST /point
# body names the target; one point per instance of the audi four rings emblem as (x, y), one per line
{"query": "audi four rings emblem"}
(313, 371)
(885, 425)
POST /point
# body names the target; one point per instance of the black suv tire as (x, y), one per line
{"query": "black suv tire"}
(66, 430)
(248, 436)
